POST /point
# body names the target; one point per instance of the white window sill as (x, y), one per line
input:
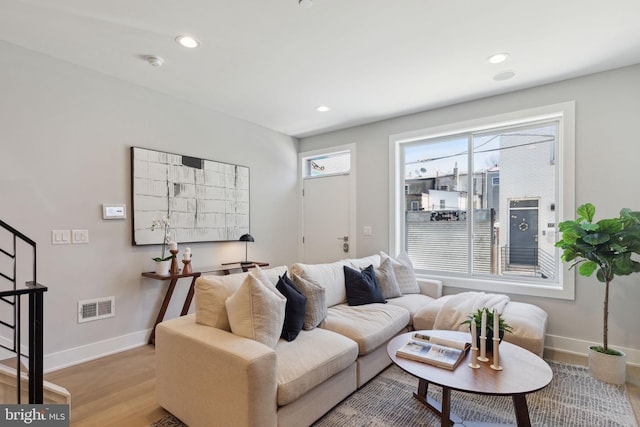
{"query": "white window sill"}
(507, 286)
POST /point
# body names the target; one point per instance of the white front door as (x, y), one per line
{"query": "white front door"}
(326, 218)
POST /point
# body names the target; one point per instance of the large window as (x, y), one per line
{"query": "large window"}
(485, 199)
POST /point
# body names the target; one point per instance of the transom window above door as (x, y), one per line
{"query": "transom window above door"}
(327, 164)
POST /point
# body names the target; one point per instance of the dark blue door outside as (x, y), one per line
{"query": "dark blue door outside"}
(523, 236)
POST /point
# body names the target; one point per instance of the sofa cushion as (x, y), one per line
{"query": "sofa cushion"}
(425, 317)
(211, 291)
(362, 286)
(403, 270)
(330, 276)
(256, 310)
(294, 310)
(316, 309)
(364, 262)
(370, 326)
(387, 280)
(412, 303)
(312, 358)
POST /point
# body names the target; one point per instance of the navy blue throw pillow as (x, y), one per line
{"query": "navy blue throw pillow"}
(294, 309)
(362, 286)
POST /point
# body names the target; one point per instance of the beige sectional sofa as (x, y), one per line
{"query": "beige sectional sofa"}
(210, 376)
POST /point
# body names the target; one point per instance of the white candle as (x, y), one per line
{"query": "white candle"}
(187, 250)
(496, 355)
(187, 255)
(173, 246)
(474, 344)
(496, 341)
(483, 324)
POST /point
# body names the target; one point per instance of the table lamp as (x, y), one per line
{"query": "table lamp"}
(246, 238)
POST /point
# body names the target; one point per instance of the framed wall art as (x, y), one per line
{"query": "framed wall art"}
(204, 200)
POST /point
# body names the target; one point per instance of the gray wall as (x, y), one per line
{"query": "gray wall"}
(607, 153)
(65, 134)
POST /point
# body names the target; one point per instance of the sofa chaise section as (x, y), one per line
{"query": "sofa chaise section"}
(207, 376)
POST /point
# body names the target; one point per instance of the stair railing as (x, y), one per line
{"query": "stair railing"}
(35, 293)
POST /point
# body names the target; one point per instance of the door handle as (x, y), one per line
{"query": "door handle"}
(345, 245)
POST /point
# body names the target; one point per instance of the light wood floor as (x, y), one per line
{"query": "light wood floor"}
(116, 391)
(119, 390)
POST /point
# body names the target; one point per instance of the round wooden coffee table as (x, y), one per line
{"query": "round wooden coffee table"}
(523, 373)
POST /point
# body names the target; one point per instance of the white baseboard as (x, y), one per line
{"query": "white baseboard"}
(580, 347)
(85, 353)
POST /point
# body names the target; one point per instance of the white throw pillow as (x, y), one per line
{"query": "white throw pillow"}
(256, 311)
(403, 270)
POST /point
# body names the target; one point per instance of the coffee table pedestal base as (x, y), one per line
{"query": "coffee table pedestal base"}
(447, 419)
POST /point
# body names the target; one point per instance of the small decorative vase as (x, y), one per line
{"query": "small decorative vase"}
(608, 367)
(162, 267)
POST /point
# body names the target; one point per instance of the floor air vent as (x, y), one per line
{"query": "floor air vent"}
(96, 309)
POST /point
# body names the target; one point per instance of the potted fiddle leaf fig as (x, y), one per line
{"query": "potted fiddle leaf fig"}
(606, 247)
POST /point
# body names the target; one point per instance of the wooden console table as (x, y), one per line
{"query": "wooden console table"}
(224, 269)
(167, 297)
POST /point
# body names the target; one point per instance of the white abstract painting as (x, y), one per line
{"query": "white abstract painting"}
(204, 200)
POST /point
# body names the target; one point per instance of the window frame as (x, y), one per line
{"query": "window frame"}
(565, 205)
(306, 173)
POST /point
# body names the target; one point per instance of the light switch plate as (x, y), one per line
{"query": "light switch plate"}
(114, 211)
(79, 237)
(367, 230)
(60, 237)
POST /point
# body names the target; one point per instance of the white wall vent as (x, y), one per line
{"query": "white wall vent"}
(96, 309)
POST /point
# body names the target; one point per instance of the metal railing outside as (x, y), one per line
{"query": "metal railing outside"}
(532, 261)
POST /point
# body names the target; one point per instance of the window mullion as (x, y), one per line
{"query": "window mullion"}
(470, 216)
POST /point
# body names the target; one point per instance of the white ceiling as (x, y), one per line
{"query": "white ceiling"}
(272, 62)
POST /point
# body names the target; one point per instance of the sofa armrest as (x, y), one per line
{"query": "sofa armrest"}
(207, 375)
(430, 287)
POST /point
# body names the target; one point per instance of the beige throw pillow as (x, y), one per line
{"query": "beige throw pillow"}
(211, 292)
(403, 270)
(316, 301)
(256, 311)
(387, 280)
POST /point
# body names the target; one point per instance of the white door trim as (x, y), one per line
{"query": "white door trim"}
(352, 183)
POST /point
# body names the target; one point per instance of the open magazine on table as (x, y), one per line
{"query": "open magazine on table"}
(443, 352)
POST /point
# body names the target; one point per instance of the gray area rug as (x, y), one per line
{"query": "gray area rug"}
(573, 399)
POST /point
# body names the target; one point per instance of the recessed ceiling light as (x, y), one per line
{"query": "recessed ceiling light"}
(498, 58)
(505, 75)
(187, 41)
(305, 3)
(323, 109)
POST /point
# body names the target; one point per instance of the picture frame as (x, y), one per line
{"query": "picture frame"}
(204, 200)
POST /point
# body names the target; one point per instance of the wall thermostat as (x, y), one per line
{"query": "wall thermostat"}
(114, 211)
